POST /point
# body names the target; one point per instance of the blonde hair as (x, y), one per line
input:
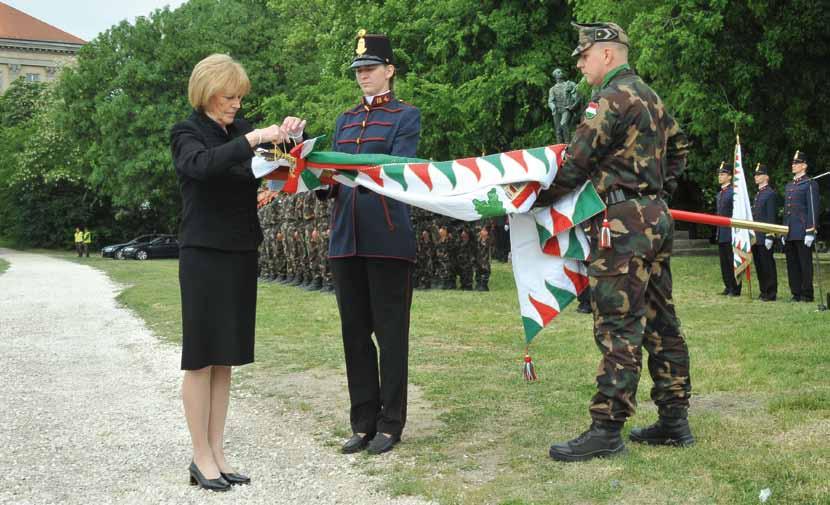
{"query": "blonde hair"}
(218, 73)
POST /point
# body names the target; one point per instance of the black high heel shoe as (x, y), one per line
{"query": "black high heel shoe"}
(196, 478)
(235, 479)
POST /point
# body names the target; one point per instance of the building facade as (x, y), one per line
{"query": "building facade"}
(31, 49)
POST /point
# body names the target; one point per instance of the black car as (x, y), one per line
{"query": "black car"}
(166, 246)
(114, 251)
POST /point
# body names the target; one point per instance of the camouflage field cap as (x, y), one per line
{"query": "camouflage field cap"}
(598, 32)
(761, 169)
(799, 157)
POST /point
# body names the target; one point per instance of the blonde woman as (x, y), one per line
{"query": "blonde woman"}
(219, 237)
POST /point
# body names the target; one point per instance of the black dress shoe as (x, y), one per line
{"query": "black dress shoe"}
(196, 478)
(357, 443)
(584, 309)
(382, 443)
(236, 479)
(795, 298)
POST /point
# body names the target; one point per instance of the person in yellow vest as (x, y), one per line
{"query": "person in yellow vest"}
(79, 241)
(87, 239)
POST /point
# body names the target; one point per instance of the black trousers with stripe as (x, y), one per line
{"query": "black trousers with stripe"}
(374, 295)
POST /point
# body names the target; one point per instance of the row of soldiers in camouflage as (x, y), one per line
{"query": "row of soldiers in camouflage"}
(295, 248)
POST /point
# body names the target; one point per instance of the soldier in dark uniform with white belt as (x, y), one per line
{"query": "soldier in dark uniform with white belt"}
(372, 253)
(764, 210)
(725, 201)
(800, 216)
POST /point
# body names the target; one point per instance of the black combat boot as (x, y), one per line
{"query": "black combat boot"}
(280, 279)
(298, 280)
(314, 285)
(666, 431)
(599, 441)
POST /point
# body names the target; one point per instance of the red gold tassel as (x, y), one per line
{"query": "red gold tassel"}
(528, 370)
(605, 232)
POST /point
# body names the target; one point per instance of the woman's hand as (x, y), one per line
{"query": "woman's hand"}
(274, 134)
(294, 127)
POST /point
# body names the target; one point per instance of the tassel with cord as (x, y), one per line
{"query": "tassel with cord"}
(528, 370)
(605, 232)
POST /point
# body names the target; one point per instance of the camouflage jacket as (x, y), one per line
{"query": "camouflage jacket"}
(626, 140)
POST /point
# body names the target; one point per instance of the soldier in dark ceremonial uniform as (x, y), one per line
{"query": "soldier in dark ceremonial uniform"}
(372, 253)
(765, 210)
(725, 202)
(633, 151)
(800, 216)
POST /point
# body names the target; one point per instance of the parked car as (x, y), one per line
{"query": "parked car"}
(166, 246)
(114, 251)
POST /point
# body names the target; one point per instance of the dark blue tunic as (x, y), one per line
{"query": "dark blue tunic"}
(799, 213)
(764, 209)
(725, 199)
(364, 223)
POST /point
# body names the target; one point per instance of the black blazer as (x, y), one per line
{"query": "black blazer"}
(217, 186)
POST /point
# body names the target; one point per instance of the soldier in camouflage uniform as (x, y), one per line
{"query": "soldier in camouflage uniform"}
(483, 251)
(280, 262)
(633, 151)
(465, 259)
(328, 284)
(442, 265)
(424, 253)
(298, 251)
(266, 213)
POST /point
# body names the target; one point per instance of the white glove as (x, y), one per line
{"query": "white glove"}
(783, 240)
(768, 243)
(809, 239)
(506, 227)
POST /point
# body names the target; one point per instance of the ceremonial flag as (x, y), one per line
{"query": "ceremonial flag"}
(548, 247)
(742, 238)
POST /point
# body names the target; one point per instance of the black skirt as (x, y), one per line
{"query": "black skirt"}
(218, 306)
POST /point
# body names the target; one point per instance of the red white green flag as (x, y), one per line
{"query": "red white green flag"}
(548, 248)
(742, 238)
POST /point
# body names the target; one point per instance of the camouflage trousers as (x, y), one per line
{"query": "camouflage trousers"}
(631, 297)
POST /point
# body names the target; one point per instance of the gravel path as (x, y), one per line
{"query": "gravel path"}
(90, 410)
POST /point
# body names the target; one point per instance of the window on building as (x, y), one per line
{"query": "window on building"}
(32, 77)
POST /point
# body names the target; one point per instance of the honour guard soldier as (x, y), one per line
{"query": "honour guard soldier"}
(800, 216)
(725, 201)
(764, 210)
(372, 253)
(631, 149)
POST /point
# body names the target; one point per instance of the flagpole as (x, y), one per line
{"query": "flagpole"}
(715, 220)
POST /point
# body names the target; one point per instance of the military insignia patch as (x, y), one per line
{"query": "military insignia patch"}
(591, 110)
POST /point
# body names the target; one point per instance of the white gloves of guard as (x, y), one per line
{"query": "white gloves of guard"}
(768, 243)
(809, 239)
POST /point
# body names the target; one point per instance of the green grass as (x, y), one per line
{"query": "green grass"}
(3, 266)
(477, 433)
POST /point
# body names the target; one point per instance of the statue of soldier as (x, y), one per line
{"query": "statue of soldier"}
(562, 99)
